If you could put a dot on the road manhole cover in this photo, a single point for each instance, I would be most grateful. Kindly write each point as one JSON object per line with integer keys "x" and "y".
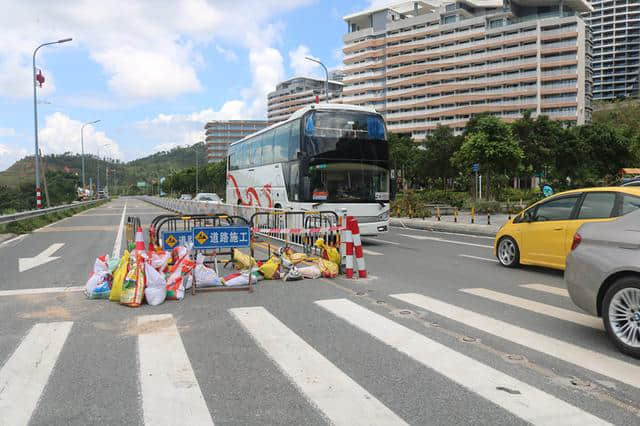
{"x": 405, "y": 312}
{"x": 380, "y": 302}
{"x": 469, "y": 339}
{"x": 360, "y": 293}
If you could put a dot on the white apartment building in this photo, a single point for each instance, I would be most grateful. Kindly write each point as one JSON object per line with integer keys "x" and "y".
{"x": 424, "y": 63}
{"x": 295, "y": 93}
{"x": 615, "y": 30}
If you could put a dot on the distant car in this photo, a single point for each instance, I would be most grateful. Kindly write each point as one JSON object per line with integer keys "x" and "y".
{"x": 632, "y": 182}
{"x": 185, "y": 197}
{"x": 542, "y": 234}
{"x": 603, "y": 277}
{"x": 207, "y": 197}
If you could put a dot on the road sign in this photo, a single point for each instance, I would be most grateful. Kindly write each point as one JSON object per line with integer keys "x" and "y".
{"x": 475, "y": 167}
{"x": 547, "y": 190}
{"x": 170, "y": 239}
{"x": 221, "y": 237}
{"x": 141, "y": 184}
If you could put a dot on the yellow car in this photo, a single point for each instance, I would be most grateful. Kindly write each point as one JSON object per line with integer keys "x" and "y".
{"x": 543, "y": 233}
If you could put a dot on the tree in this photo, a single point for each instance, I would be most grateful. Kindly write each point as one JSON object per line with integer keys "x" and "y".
{"x": 608, "y": 149}
{"x": 492, "y": 145}
{"x": 439, "y": 147}
{"x": 402, "y": 155}
{"x": 537, "y": 138}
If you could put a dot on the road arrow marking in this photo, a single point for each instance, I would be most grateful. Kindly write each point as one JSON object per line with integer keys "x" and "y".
{"x": 26, "y": 263}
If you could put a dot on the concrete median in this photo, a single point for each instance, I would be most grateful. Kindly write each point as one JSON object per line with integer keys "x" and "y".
{"x": 434, "y": 225}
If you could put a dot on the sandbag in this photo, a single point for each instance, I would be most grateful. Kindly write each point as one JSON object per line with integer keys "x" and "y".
{"x": 242, "y": 261}
{"x": 179, "y": 278}
{"x": 311, "y": 272}
{"x": 118, "y": 277}
{"x": 328, "y": 252}
{"x": 160, "y": 260}
{"x": 156, "y": 289}
{"x": 269, "y": 269}
{"x": 327, "y": 267}
{"x": 133, "y": 286}
{"x": 240, "y": 279}
{"x": 97, "y": 285}
{"x": 204, "y": 276}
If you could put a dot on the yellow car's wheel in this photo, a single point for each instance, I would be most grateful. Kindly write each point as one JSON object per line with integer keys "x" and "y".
{"x": 508, "y": 252}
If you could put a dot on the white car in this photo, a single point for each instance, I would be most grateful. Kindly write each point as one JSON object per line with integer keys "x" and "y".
{"x": 185, "y": 197}
{"x": 207, "y": 197}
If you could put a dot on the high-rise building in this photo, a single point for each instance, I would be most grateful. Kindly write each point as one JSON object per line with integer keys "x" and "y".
{"x": 220, "y": 134}
{"x": 424, "y": 63}
{"x": 293, "y": 94}
{"x": 615, "y": 32}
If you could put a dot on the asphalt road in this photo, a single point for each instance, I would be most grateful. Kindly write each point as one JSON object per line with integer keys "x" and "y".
{"x": 439, "y": 334}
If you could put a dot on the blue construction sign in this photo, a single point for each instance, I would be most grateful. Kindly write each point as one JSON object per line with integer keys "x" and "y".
{"x": 475, "y": 167}
{"x": 171, "y": 239}
{"x": 221, "y": 237}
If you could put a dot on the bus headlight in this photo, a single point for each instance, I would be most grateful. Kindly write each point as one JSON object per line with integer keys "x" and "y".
{"x": 383, "y": 216}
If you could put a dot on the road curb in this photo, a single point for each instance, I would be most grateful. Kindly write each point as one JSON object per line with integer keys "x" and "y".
{"x": 432, "y": 225}
{"x": 6, "y": 237}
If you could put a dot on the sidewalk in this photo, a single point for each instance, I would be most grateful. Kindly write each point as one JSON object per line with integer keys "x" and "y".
{"x": 447, "y": 224}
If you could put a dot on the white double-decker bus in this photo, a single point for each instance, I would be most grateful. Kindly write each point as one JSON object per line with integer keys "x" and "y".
{"x": 324, "y": 157}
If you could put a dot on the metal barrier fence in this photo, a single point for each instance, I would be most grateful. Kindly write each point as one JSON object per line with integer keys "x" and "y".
{"x": 166, "y": 230}
{"x": 297, "y": 228}
{"x": 14, "y": 217}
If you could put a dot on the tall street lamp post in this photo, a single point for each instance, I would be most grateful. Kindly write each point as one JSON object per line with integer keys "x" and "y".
{"x": 326, "y": 76}
{"x": 98, "y": 167}
{"x": 35, "y": 120}
{"x": 82, "y": 146}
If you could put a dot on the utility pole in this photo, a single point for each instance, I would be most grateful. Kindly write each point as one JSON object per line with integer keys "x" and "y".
{"x": 82, "y": 146}
{"x": 35, "y": 120}
{"x": 326, "y": 76}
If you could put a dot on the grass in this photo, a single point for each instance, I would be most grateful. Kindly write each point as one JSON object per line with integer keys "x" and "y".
{"x": 28, "y": 225}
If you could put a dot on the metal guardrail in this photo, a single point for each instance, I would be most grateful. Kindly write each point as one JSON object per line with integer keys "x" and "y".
{"x": 14, "y": 217}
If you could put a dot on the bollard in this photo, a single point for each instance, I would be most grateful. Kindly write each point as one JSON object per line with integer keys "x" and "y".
{"x": 488, "y": 218}
{"x": 438, "y": 213}
{"x": 455, "y": 215}
{"x": 473, "y": 214}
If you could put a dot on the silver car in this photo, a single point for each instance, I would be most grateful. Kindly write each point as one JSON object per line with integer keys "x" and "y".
{"x": 603, "y": 277}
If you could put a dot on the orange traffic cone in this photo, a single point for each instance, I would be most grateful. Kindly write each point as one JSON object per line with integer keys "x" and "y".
{"x": 139, "y": 240}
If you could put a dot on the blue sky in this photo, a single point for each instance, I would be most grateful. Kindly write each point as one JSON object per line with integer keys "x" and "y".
{"x": 153, "y": 71}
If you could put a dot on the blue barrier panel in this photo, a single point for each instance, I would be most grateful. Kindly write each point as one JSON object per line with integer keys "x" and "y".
{"x": 171, "y": 239}
{"x": 221, "y": 237}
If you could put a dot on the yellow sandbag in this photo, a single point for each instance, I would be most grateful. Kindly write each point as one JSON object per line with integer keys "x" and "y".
{"x": 328, "y": 268}
{"x": 242, "y": 261}
{"x": 269, "y": 268}
{"x": 118, "y": 277}
{"x": 296, "y": 258}
{"x": 328, "y": 252}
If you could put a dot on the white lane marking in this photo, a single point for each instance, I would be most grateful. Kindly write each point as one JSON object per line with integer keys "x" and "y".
{"x": 170, "y": 391}
{"x": 118, "y": 243}
{"x": 442, "y": 240}
{"x": 597, "y": 362}
{"x": 537, "y": 307}
{"x": 371, "y": 252}
{"x": 376, "y": 240}
{"x": 24, "y": 376}
{"x": 10, "y": 240}
{"x": 336, "y": 395}
{"x": 26, "y": 263}
{"x": 479, "y": 258}
{"x": 27, "y": 291}
{"x": 529, "y": 403}
{"x": 547, "y": 289}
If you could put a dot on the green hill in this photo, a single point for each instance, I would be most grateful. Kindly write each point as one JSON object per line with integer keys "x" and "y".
{"x": 142, "y": 169}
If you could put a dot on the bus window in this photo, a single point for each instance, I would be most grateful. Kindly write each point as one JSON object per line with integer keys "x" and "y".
{"x": 281, "y": 143}
{"x": 294, "y": 140}
{"x": 267, "y": 147}
{"x": 257, "y": 150}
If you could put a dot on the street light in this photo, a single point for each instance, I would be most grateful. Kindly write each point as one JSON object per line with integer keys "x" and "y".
{"x": 82, "y": 144}
{"x": 326, "y": 74}
{"x": 195, "y": 149}
{"x": 35, "y": 120}
{"x": 98, "y": 177}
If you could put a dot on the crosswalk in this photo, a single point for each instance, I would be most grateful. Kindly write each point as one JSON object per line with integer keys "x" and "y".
{"x": 170, "y": 389}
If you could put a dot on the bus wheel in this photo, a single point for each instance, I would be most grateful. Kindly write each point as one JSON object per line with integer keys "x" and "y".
{"x": 277, "y": 206}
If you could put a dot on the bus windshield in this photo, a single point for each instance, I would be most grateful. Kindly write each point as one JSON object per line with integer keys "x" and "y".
{"x": 345, "y": 135}
{"x": 346, "y": 182}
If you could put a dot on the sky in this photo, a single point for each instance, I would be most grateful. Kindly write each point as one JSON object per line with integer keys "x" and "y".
{"x": 153, "y": 71}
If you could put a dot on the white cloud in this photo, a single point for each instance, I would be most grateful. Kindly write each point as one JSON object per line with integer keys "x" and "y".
{"x": 228, "y": 54}
{"x": 304, "y": 67}
{"x": 62, "y": 134}
{"x": 7, "y": 132}
{"x": 147, "y": 48}
{"x": 9, "y": 155}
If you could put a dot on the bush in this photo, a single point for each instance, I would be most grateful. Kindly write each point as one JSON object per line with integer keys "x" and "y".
{"x": 451, "y": 198}
{"x": 28, "y": 225}
{"x": 409, "y": 205}
{"x": 483, "y": 206}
